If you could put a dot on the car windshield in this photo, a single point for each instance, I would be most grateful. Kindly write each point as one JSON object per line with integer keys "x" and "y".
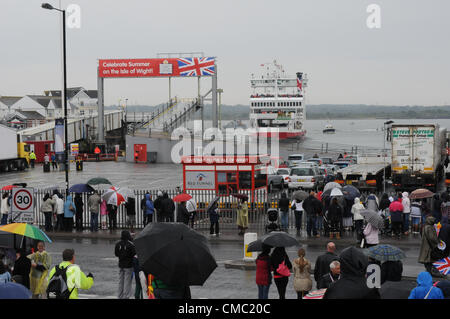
{"x": 295, "y": 158}
{"x": 302, "y": 171}
{"x": 282, "y": 172}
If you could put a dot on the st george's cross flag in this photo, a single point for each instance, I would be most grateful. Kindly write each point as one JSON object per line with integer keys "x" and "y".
{"x": 443, "y": 265}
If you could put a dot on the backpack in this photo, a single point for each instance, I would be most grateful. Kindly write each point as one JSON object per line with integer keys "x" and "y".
{"x": 57, "y": 286}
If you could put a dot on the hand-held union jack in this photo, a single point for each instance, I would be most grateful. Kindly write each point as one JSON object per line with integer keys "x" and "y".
{"x": 196, "y": 66}
{"x": 443, "y": 265}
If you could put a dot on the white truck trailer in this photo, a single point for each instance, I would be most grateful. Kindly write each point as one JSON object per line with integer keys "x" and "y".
{"x": 13, "y": 154}
{"x": 418, "y": 156}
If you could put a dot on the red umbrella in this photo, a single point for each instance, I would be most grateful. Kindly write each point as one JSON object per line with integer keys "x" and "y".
{"x": 9, "y": 187}
{"x": 114, "y": 197}
{"x": 182, "y": 197}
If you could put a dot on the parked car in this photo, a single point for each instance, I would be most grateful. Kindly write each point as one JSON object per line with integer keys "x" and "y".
{"x": 305, "y": 177}
{"x": 315, "y": 160}
{"x": 327, "y": 160}
{"x": 284, "y": 172}
{"x": 273, "y": 179}
{"x": 293, "y": 159}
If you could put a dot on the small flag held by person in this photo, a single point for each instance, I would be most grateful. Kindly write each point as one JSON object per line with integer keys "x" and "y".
{"x": 443, "y": 265}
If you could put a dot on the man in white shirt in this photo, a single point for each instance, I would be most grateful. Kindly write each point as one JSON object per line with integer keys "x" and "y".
{"x": 406, "y": 212}
{"x": 297, "y": 207}
{"x": 58, "y": 211}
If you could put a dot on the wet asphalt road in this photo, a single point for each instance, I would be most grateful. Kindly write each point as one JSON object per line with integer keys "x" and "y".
{"x": 97, "y": 256}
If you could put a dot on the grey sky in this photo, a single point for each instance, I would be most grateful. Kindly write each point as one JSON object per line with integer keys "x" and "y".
{"x": 404, "y": 62}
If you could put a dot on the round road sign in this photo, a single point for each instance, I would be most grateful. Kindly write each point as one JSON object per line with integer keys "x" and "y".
{"x": 23, "y": 199}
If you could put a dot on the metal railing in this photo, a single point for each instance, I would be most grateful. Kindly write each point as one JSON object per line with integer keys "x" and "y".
{"x": 259, "y": 202}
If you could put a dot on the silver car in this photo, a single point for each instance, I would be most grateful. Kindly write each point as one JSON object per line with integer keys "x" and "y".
{"x": 304, "y": 177}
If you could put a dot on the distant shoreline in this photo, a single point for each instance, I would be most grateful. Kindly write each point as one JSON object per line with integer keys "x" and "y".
{"x": 327, "y": 111}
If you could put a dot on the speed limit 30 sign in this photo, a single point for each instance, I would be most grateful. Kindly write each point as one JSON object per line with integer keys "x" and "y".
{"x": 22, "y": 207}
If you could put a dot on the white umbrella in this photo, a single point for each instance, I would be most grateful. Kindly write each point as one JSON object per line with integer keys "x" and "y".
{"x": 127, "y": 192}
{"x": 331, "y": 185}
{"x": 336, "y": 192}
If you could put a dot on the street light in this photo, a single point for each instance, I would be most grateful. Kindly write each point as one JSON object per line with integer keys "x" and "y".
{"x": 66, "y": 148}
{"x": 384, "y": 154}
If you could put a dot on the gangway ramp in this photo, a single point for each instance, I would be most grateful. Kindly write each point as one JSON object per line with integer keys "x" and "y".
{"x": 77, "y": 128}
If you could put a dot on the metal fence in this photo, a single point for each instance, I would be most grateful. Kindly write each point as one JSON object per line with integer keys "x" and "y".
{"x": 259, "y": 202}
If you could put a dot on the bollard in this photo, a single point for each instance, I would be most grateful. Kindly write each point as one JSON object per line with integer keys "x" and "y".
{"x": 248, "y": 238}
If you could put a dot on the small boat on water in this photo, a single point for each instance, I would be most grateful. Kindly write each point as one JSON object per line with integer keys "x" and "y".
{"x": 329, "y": 129}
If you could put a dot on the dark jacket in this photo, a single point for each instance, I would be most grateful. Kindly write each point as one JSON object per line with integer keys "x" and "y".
{"x": 183, "y": 214}
{"x": 397, "y": 289}
{"x": 327, "y": 280}
{"x": 384, "y": 202}
{"x": 322, "y": 265}
{"x": 283, "y": 203}
{"x": 158, "y": 204}
{"x": 167, "y": 206}
{"x": 335, "y": 212}
{"x": 125, "y": 250}
{"x": 79, "y": 205}
{"x": 312, "y": 206}
{"x": 22, "y": 267}
{"x": 391, "y": 271}
{"x": 352, "y": 284}
{"x": 429, "y": 241}
{"x": 131, "y": 206}
{"x": 277, "y": 257}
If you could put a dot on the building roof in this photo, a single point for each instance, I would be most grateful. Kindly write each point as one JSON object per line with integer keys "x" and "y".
{"x": 31, "y": 115}
{"x": 45, "y": 100}
{"x": 10, "y": 100}
{"x": 71, "y": 92}
{"x": 93, "y": 94}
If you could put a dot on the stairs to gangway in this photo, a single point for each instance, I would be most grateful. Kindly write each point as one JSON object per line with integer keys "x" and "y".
{"x": 164, "y": 120}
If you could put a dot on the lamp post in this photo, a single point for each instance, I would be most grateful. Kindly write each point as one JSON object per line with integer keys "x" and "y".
{"x": 66, "y": 148}
{"x": 384, "y": 154}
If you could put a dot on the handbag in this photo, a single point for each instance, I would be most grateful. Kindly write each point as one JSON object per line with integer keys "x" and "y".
{"x": 283, "y": 270}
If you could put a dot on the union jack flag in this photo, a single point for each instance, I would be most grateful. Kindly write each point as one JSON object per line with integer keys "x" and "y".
{"x": 443, "y": 265}
{"x": 196, "y": 66}
{"x": 299, "y": 81}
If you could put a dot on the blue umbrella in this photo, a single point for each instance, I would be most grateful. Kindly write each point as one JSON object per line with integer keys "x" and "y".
{"x": 81, "y": 188}
{"x": 350, "y": 192}
{"x": 12, "y": 290}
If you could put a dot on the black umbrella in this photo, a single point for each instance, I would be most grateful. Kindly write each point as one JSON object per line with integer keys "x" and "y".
{"x": 350, "y": 192}
{"x": 175, "y": 254}
{"x": 214, "y": 201}
{"x": 273, "y": 239}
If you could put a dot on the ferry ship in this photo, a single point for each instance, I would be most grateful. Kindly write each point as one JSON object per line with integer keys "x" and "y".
{"x": 277, "y": 107}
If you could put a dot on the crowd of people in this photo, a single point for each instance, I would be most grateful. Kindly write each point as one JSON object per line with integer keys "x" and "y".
{"x": 335, "y": 216}
{"x": 30, "y": 274}
{"x": 342, "y": 276}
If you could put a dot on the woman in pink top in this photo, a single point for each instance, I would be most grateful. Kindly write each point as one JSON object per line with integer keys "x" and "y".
{"x": 103, "y": 212}
{"x": 371, "y": 235}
